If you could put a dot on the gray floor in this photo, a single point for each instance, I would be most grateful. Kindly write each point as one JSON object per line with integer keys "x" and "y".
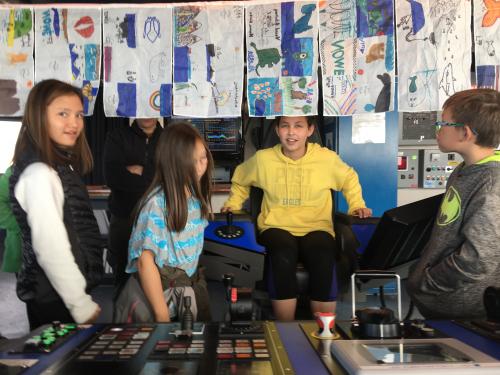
{"x": 14, "y": 322}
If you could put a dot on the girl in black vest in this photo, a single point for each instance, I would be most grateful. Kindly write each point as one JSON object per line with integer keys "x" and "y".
{"x": 62, "y": 253}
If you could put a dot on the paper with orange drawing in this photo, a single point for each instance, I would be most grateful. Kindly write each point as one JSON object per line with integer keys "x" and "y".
{"x": 16, "y": 59}
{"x": 357, "y": 56}
{"x": 487, "y": 43}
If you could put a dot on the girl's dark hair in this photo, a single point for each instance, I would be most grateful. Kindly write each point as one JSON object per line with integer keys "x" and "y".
{"x": 175, "y": 172}
{"x": 310, "y": 120}
{"x": 34, "y": 128}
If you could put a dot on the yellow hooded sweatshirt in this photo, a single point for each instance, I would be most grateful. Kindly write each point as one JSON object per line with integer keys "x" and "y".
{"x": 297, "y": 193}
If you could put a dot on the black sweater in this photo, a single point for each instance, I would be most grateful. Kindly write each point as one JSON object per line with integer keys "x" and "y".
{"x": 128, "y": 145}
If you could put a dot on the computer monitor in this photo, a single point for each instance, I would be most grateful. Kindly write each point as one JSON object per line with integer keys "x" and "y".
{"x": 225, "y": 141}
{"x": 223, "y": 136}
{"x": 401, "y": 234}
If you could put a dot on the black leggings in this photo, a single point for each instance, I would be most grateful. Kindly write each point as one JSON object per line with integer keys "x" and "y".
{"x": 316, "y": 250}
{"x": 120, "y": 229}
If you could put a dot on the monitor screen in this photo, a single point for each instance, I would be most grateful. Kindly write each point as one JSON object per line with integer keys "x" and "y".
{"x": 414, "y": 353}
{"x": 401, "y": 234}
{"x": 221, "y": 134}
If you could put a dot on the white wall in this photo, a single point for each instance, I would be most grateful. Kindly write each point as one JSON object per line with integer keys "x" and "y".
{"x": 406, "y": 196}
{"x": 218, "y": 200}
{"x": 8, "y": 137}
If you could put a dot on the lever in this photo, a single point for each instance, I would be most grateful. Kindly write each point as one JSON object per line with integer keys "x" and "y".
{"x": 227, "y": 280}
{"x": 230, "y": 227}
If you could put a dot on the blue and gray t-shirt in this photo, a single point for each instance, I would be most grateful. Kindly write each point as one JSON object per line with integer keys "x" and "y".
{"x": 175, "y": 249}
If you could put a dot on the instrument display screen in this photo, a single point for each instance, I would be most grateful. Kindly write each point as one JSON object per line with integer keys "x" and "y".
{"x": 415, "y": 353}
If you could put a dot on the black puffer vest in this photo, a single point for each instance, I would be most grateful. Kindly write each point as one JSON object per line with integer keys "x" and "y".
{"x": 81, "y": 226}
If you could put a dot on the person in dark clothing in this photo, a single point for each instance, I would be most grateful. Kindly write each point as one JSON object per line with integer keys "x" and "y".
{"x": 129, "y": 169}
{"x": 61, "y": 243}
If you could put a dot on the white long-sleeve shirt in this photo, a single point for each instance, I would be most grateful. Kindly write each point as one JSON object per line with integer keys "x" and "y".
{"x": 40, "y": 193}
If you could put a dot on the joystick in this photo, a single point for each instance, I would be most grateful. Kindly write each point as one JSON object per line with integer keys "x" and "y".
{"x": 242, "y": 311}
{"x": 229, "y": 231}
{"x": 187, "y": 316}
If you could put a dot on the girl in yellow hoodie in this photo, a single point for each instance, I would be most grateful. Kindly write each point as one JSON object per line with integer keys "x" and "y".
{"x": 295, "y": 222}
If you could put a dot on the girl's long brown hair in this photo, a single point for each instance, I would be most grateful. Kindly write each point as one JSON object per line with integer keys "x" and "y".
{"x": 175, "y": 172}
{"x": 34, "y": 128}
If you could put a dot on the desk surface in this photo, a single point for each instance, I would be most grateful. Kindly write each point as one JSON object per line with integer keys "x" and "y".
{"x": 303, "y": 357}
{"x": 102, "y": 191}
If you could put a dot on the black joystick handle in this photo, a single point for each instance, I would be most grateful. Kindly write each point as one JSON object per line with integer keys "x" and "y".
{"x": 229, "y": 231}
{"x": 187, "y": 317}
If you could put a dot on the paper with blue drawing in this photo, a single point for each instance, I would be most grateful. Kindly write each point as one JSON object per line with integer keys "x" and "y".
{"x": 208, "y": 60}
{"x": 357, "y": 56}
{"x": 16, "y": 59}
{"x": 68, "y": 48}
{"x": 137, "y": 62}
{"x": 282, "y": 58}
{"x": 434, "y": 49}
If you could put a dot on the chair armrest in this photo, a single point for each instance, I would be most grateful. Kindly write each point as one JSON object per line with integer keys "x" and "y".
{"x": 352, "y": 220}
{"x": 343, "y": 218}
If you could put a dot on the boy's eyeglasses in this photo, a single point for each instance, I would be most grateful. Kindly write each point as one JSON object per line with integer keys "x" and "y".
{"x": 440, "y": 124}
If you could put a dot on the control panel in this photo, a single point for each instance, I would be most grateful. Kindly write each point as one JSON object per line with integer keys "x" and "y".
{"x": 408, "y": 170}
{"x": 436, "y": 167}
{"x": 208, "y": 348}
{"x": 46, "y": 339}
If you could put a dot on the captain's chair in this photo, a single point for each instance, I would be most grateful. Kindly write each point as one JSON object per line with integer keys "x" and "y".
{"x": 347, "y": 257}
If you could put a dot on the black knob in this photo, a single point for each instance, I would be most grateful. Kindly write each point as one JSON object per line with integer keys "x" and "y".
{"x": 229, "y": 231}
{"x": 187, "y": 316}
{"x": 227, "y": 280}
